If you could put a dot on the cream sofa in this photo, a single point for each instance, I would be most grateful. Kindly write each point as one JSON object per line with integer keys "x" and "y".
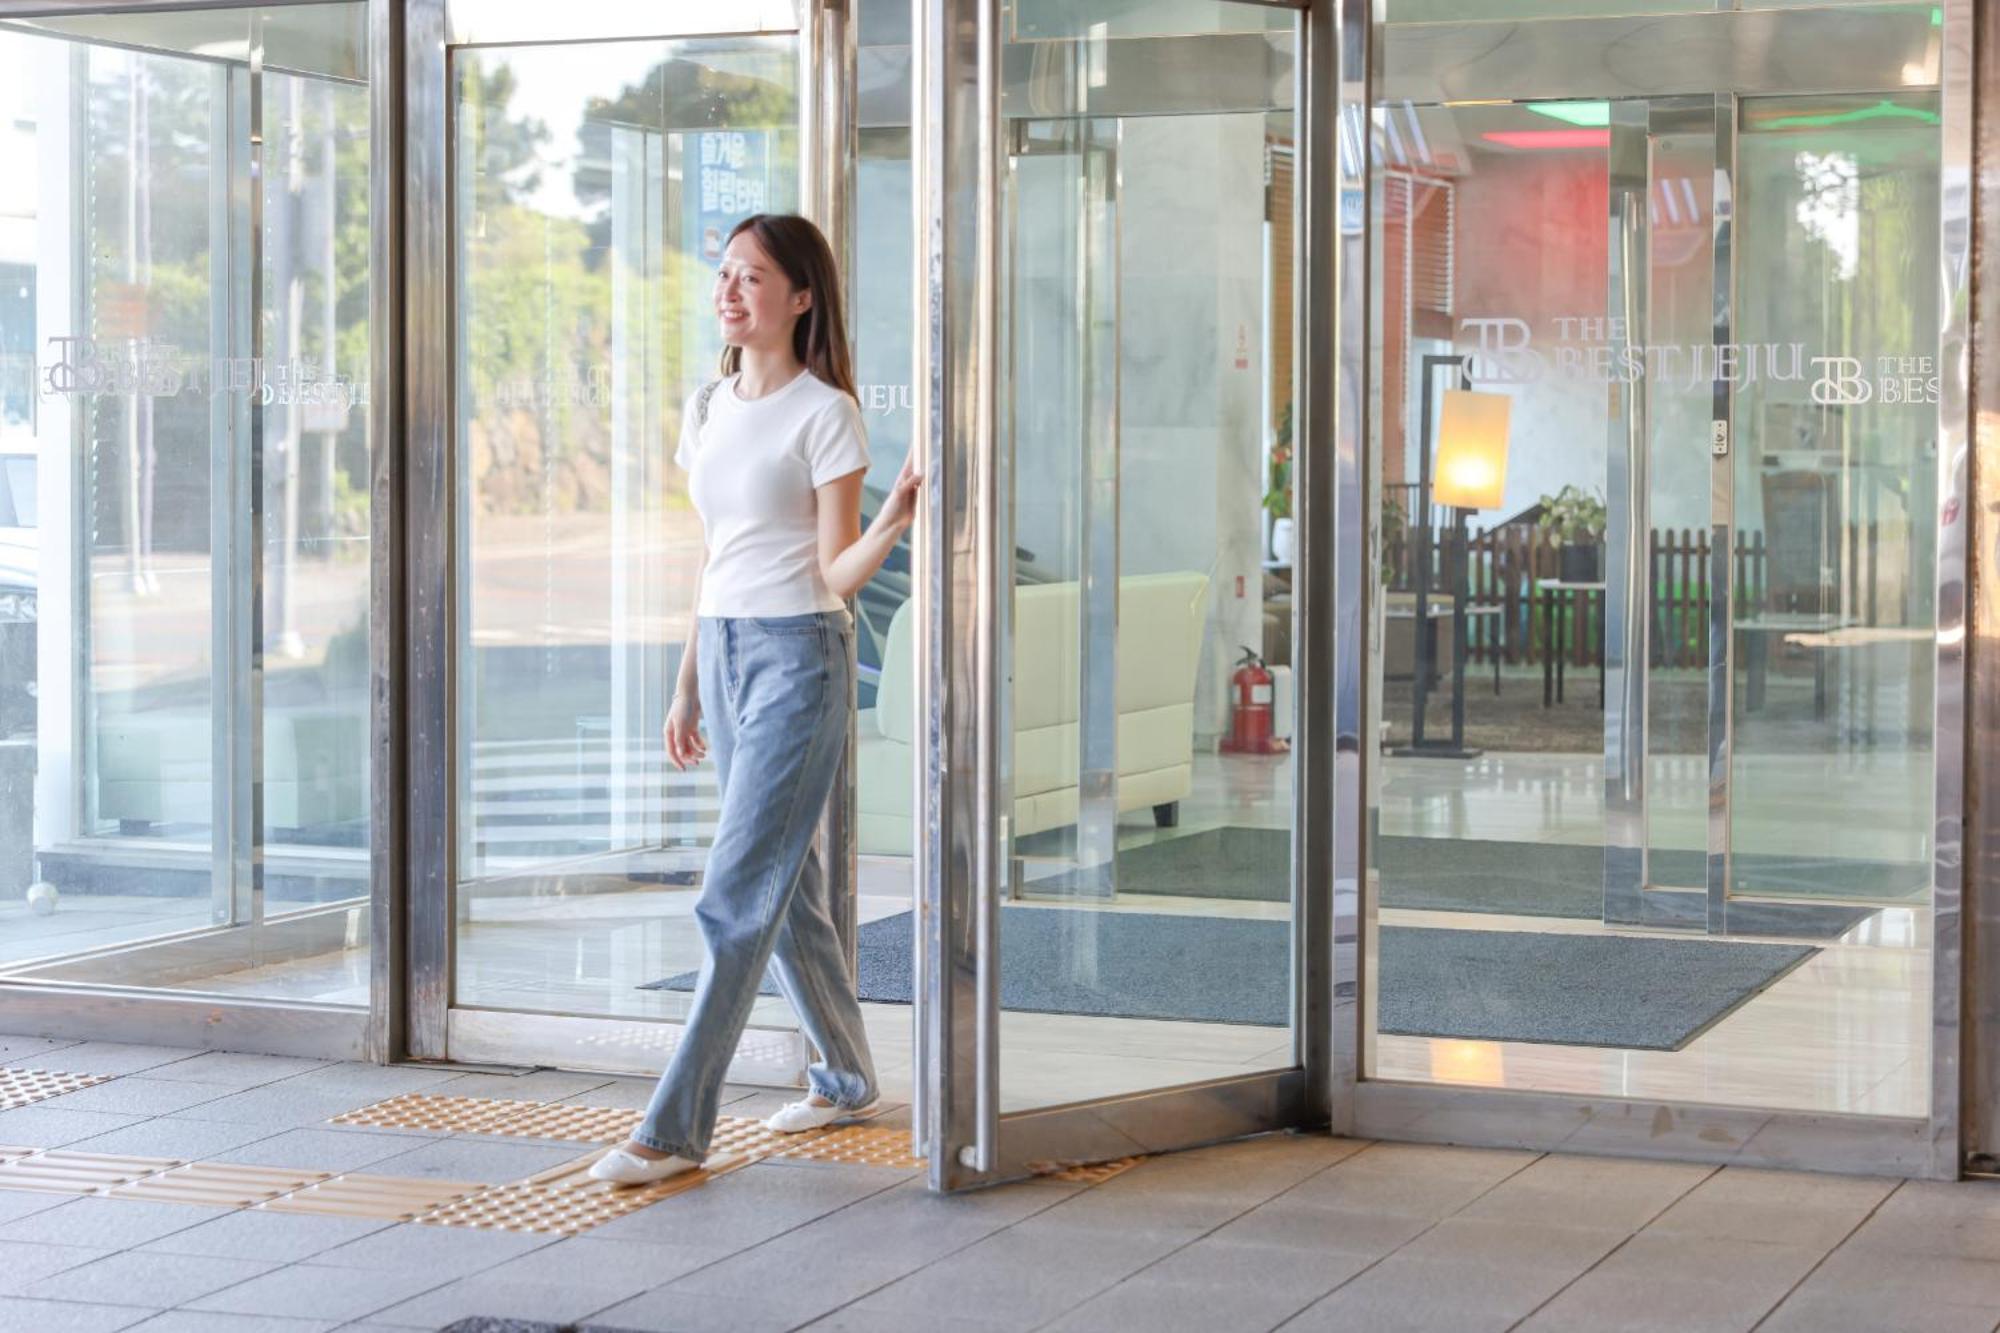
{"x": 1160, "y": 620}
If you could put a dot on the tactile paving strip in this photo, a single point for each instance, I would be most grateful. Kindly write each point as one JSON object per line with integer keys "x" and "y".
{"x": 562, "y": 1120}
{"x": 57, "y": 1172}
{"x": 1093, "y": 1173}
{"x": 486, "y": 1115}
{"x": 458, "y": 1115}
{"x": 552, "y": 1120}
{"x": 734, "y": 1134}
{"x": 395, "y": 1198}
{"x": 219, "y": 1183}
{"x": 24, "y": 1087}
{"x": 859, "y": 1145}
{"x": 565, "y": 1200}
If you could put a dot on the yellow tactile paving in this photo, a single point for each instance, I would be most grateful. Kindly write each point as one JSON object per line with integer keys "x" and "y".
{"x": 460, "y": 1115}
{"x": 565, "y": 1200}
{"x": 562, "y": 1201}
{"x": 734, "y": 1134}
{"x": 859, "y": 1145}
{"x": 24, "y": 1087}
{"x": 56, "y": 1172}
{"x": 396, "y": 1198}
{"x": 561, "y": 1120}
{"x": 219, "y": 1183}
{"x": 573, "y": 1122}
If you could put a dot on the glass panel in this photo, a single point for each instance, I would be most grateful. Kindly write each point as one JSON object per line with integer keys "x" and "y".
{"x": 596, "y": 183}
{"x": 316, "y": 495}
{"x": 1495, "y": 966}
{"x": 135, "y": 403}
{"x": 1460, "y": 11}
{"x": 1836, "y": 492}
{"x": 879, "y": 292}
{"x": 1518, "y": 832}
{"x": 1043, "y": 20}
{"x": 880, "y": 301}
{"x": 1146, "y": 936}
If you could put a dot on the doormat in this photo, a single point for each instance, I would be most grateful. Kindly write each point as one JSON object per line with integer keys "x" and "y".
{"x": 1508, "y": 878}
{"x": 1629, "y": 992}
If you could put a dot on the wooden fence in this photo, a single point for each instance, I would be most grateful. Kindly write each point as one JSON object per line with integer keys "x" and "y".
{"x": 1506, "y": 563}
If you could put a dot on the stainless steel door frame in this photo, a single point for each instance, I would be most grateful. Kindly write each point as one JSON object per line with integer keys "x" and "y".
{"x": 964, "y": 582}
{"x": 1626, "y": 524}
{"x": 429, "y": 1024}
{"x": 1722, "y": 530}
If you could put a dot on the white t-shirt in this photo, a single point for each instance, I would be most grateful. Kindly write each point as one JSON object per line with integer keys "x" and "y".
{"x": 752, "y": 471}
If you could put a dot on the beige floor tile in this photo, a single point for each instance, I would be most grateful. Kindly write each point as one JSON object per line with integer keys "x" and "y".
{"x": 1597, "y": 1192}
{"x": 1782, "y": 1207}
{"x": 1678, "y": 1284}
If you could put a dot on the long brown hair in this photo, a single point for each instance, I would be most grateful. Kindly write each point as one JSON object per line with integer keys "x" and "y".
{"x": 800, "y": 251}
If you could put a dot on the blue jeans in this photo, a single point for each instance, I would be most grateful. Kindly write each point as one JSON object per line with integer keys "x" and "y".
{"x": 774, "y": 695}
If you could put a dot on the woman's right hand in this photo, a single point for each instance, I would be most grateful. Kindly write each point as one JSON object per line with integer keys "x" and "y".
{"x": 685, "y": 745}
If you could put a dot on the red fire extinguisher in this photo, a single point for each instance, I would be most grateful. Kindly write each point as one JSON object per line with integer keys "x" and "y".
{"x": 1250, "y": 687}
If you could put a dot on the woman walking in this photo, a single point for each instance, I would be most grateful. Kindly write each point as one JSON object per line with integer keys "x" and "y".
{"x": 775, "y": 453}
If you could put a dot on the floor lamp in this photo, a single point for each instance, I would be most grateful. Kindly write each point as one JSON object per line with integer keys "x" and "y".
{"x": 1470, "y": 473}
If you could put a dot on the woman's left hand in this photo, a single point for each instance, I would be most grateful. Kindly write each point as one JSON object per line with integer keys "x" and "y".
{"x": 899, "y": 510}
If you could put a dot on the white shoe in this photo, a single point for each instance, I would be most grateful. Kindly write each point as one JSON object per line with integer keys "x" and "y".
{"x": 620, "y": 1167}
{"x": 798, "y": 1117}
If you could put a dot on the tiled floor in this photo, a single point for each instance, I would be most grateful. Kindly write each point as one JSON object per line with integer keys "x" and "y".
{"x": 1299, "y": 1232}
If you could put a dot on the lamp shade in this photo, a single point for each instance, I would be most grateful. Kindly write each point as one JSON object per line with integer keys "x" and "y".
{"x": 1471, "y": 471}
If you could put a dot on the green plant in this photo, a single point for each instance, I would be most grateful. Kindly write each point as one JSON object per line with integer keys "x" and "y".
{"x": 1395, "y": 524}
{"x": 1573, "y": 515}
{"x": 1278, "y": 469}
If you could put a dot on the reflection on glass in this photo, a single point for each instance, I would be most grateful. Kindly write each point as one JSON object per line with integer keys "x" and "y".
{"x": 596, "y": 185}
{"x": 134, "y": 394}
{"x": 1836, "y": 497}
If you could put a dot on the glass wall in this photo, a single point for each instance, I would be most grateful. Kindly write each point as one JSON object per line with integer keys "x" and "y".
{"x": 1676, "y": 843}
{"x": 1833, "y": 682}
{"x": 184, "y": 462}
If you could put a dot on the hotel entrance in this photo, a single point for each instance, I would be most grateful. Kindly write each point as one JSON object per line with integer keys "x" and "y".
{"x": 1438, "y": 609}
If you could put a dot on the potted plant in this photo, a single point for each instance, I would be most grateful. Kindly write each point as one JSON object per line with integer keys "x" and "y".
{"x": 1278, "y": 489}
{"x": 1576, "y": 519}
{"x": 1395, "y": 532}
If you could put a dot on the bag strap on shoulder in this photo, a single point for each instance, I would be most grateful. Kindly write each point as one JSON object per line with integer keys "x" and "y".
{"x": 701, "y": 402}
